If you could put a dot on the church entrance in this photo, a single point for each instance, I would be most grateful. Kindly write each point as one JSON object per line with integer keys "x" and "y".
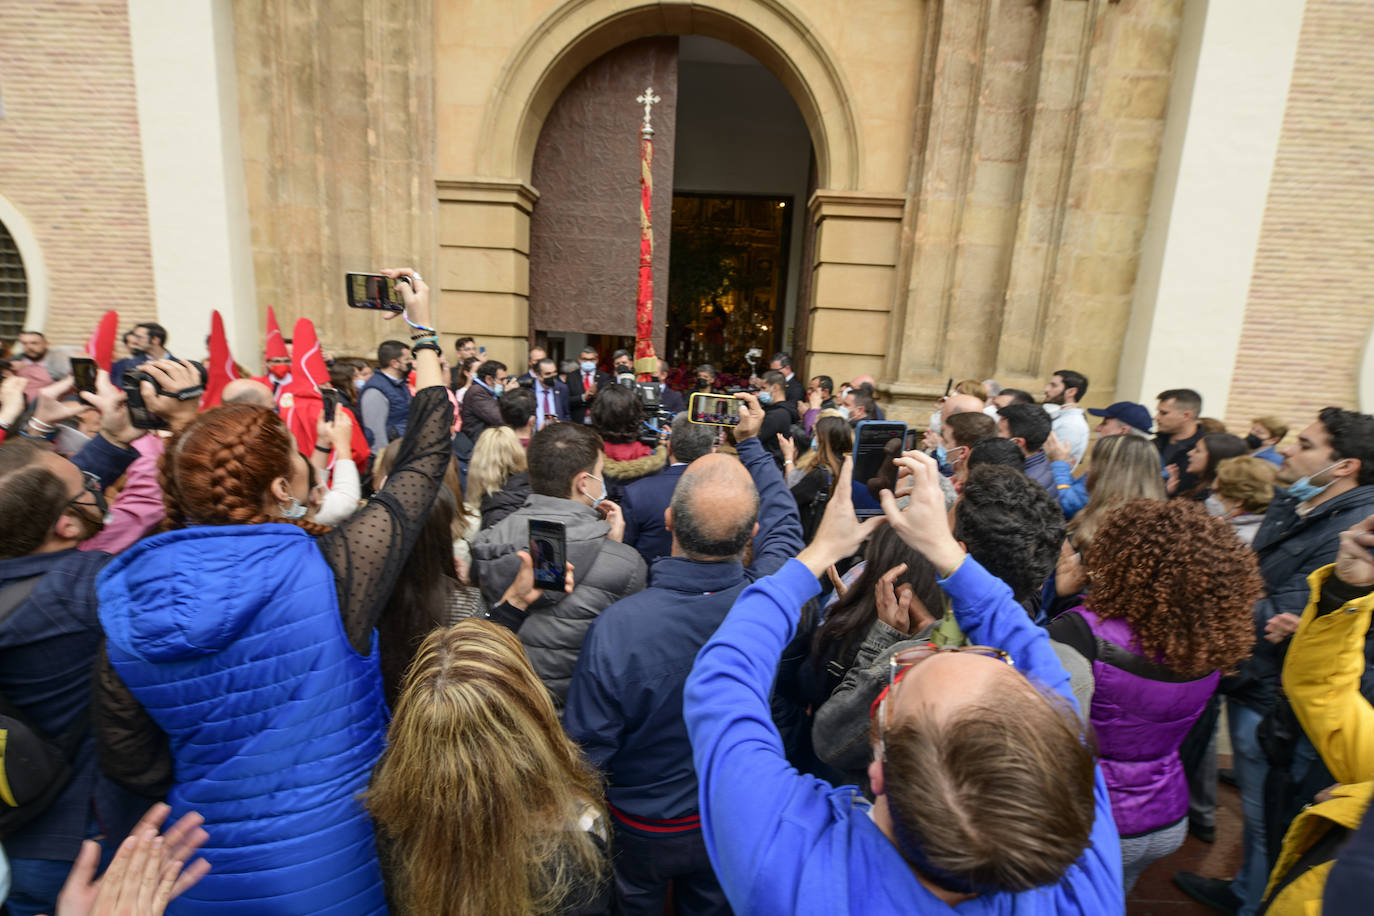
{"x": 733, "y": 170}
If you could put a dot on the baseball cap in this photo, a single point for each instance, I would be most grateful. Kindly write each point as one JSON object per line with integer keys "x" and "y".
{"x": 1128, "y": 412}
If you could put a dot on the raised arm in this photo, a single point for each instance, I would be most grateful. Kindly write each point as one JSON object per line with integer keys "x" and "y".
{"x": 367, "y": 551}
{"x": 780, "y": 530}
{"x": 982, "y": 603}
{"x": 751, "y": 798}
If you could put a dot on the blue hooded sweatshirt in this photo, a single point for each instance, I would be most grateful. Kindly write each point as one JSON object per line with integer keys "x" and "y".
{"x": 784, "y": 842}
{"x": 231, "y": 639}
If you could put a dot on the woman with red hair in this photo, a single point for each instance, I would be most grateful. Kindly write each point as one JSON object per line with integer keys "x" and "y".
{"x": 243, "y": 675}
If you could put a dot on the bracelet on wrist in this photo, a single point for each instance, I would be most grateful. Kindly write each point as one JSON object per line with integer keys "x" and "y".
{"x": 40, "y": 426}
{"x": 46, "y": 437}
{"x": 430, "y": 344}
{"x": 417, "y": 337}
{"x": 323, "y": 448}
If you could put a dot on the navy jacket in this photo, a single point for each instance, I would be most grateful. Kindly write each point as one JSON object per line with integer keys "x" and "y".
{"x": 625, "y": 703}
{"x": 671, "y": 400}
{"x": 577, "y": 402}
{"x": 1290, "y": 548}
{"x": 47, "y": 652}
{"x": 1037, "y": 468}
{"x": 643, "y": 505}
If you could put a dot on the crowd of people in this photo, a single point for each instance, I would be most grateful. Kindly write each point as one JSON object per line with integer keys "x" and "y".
{"x": 297, "y": 617}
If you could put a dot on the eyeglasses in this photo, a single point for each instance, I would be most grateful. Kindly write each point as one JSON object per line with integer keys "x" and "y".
{"x": 90, "y": 483}
{"x": 899, "y": 663}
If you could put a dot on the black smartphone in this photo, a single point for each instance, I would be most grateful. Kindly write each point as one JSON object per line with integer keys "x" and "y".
{"x": 83, "y": 371}
{"x": 549, "y": 551}
{"x": 949, "y": 386}
{"x": 373, "y": 291}
{"x": 139, "y": 414}
{"x": 876, "y": 444}
{"x": 330, "y": 395}
{"x": 911, "y": 440}
{"x": 713, "y": 409}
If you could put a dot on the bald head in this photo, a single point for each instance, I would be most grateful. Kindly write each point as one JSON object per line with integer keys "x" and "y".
{"x": 247, "y": 391}
{"x": 861, "y": 380}
{"x": 714, "y": 511}
{"x": 960, "y": 403}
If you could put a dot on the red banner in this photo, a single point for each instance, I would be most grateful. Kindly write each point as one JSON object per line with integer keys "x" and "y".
{"x": 646, "y": 362}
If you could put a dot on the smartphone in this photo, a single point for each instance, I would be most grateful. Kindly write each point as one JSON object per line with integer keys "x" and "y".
{"x": 949, "y": 386}
{"x": 373, "y": 291}
{"x": 330, "y": 395}
{"x": 876, "y": 444}
{"x": 912, "y": 440}
{"x": 549, "y": 551}
{"x": 83, "y": 371}
{"x": 713, "y": 409}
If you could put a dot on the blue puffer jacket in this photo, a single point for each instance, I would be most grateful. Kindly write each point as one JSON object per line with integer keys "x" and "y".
{"x": 231, "y": 639}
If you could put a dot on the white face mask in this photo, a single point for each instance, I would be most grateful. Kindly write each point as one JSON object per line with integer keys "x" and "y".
{"x": 597, "y": 500}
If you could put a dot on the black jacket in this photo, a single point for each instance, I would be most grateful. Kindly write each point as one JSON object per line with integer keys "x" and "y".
{"x": 1175, "y": 451}
{"x": 777, "y": 418}
{"x": 496, "y": 506}
{"x": 1290, "y": 547}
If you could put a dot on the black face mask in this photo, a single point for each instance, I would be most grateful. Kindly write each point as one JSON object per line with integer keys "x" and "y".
{"x": 548, "y": 382}
{"x": 1253, "y": 441}
{"x": 702, "y": 384}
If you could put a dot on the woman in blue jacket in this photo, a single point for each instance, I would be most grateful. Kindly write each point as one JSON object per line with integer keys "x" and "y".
{"x": 242, "y": 658}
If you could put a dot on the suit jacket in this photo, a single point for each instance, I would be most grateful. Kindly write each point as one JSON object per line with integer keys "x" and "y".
{"x": 672, "y": 400}
{"x": 794, "y": 389}
{"x": 479, "y": 411}
{"x": 560, "y": 398}
{"x": 643, "y": 505}
{"x": 578, "y": 405}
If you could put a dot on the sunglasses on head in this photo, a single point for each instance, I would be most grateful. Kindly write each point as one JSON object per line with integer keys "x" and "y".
{"x": 899, "y": 663}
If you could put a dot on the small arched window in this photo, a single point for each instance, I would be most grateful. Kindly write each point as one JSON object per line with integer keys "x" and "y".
{"x": 14, "y": 287}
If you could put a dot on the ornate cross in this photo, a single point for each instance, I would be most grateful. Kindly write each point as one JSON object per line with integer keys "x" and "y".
{"x": 648, "y": 100}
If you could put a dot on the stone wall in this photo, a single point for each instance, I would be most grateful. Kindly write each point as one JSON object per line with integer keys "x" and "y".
{"x": 1308, "y": 314}
{"x": 71, "y": 162}
{"x": 336, "y": 114}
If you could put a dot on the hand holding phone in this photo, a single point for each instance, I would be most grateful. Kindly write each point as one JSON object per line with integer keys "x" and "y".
{"x": 877, "y": 443}
{"x": 330, "y": 395}
{"x": 84, "y": 371}
{"x": 374, "y": 291}
{"x": 713, "y": 409}
{"x": 548, "y": 552}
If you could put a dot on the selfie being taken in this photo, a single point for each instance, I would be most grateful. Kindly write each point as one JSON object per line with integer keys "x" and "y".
{"x": 605, "y": 458}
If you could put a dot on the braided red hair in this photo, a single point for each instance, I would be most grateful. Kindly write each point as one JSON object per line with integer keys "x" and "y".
{"x": 219, "y": 469}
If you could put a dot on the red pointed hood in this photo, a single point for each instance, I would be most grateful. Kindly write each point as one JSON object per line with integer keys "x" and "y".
{"x": 276, "y": 344}
{"x": 308, "y": 371}
{"x": 219, "y": 371}
{"x": 100, "y": 346}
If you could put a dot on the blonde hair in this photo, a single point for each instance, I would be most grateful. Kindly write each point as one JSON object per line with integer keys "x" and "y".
{"x": 1277, "y": 426}
{"x": 480, "y": 792}
{"x": 972, "y": 386}
{"x": 496, "y": 456}
{"x": 1122, "y": 468}
{"x": 1247, "y": 480}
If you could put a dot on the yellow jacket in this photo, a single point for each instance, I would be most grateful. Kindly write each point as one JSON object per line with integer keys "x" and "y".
{"x": 1321, "y": 677}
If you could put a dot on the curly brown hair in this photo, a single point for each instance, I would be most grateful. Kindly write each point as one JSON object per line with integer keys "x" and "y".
{"x": 218, "y": 469}
{"x": 1180, "y": 578}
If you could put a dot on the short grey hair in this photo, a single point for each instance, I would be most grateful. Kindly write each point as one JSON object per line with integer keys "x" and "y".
{"x": 689, "y": 440}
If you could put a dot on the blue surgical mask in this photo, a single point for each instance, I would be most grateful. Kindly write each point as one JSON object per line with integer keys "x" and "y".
{"x": 296, "y": 509}
{"x": 359, "y": 383}
{"x": 587, "y": 366}
{"x": 765, "y": 397}
{"x": 597, "y": 500}
{"x": 844, "y": 412}
{"x": 1304, "y": 489}
{"x": 815, "y": 445}
{"x": 497, "y": 390}
{"x": 941, "y": 455}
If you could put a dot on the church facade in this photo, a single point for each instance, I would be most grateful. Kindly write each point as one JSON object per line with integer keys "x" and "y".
{"x": 1156, "y": 193}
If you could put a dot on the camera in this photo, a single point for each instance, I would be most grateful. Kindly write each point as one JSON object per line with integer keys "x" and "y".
{"x": 133, "y": 377}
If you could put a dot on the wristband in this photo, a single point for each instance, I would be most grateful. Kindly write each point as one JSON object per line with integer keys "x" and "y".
{"x": 416, "y": 338}
{"x": 428, "y": 344}
{"x": 40, "y": 426}
{"x": 323, "y": 448}
{"x": 418, "y": 327}
{"x": 46, "y": 437}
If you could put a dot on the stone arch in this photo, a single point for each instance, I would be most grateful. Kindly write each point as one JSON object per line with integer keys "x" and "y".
{"x": 35, "y": 269}
{"x": 576, "y": 33}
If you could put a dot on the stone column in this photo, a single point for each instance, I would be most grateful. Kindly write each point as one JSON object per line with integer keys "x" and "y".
{"x": 484, "y": 264}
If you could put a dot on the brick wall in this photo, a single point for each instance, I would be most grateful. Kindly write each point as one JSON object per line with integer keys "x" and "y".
{"x": 71, "y": 161}
{"x": 1309, "y": 310}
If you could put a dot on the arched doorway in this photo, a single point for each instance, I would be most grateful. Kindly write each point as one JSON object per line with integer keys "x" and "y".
{"x": 732, "y": 172}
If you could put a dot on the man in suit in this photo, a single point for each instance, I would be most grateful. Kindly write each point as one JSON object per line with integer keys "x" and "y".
{"x": 584, "y": 384}
{"x": 550, "y": 395}
{"x": 792, "y": 387}
{"x": 671, "y": 399}
{"x": 646, "y": 498}
{"x": 480, "y": 409}
{"x": 528, "y": 377}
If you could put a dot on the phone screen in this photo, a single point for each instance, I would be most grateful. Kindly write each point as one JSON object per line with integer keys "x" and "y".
{"x": 714, "y": 409}
{"x": 911, "y": 440}
{"x": 139, "y": 415}
{"x": 83, "y": 372}
{"x": 549, "y": 551}
{"x": 876, "y": 443}
{"x": 374, "y": 291}
{"x": 331, "y": 402}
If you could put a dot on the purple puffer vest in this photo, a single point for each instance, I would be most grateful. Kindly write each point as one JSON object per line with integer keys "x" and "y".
{"x": 1140, "y": 722}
